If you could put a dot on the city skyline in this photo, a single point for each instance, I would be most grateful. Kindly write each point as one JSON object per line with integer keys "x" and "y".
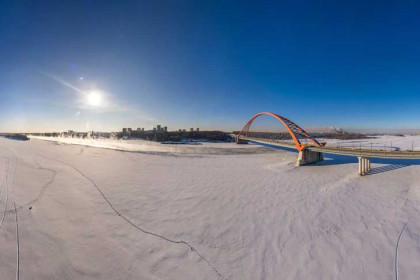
{"x": 211, "y": 64}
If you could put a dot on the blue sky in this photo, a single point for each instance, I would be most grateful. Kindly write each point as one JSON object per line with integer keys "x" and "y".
{"x": 208, "y": 64}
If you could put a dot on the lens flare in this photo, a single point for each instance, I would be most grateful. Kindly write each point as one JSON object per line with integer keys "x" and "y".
{"x": 94, "y": 99}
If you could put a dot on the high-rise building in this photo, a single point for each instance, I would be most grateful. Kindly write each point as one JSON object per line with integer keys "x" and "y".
{"x": 191, "y": 129}
{"x": 158, "y": 127}
{"x": 198, "y": 129}
{"x": 165, "y": 128}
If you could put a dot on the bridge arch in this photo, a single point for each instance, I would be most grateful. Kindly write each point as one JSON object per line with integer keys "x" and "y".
{"x": 294, "y": 130}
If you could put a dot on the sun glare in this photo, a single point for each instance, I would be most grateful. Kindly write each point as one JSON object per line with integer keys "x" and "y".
{"x": 94, "y": 99}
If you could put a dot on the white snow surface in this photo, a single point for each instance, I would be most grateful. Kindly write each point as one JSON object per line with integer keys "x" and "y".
{"x": 213, "y": 211}
{"x": 158, "y": 148}
{"x": 407, "y": 142}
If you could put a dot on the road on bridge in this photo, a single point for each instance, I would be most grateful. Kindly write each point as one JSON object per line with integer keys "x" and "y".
{"x": 312, "y": 154}
{"x": 372, "y": 153}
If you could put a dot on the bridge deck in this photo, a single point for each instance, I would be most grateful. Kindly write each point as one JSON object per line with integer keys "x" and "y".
{"x": 344, "y": 151}
{"x": 271, "y": 142}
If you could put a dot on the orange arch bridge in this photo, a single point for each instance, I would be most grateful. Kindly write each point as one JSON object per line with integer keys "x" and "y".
{"x": 295, "y": 131}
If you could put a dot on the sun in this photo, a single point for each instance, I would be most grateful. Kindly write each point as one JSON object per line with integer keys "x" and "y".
{"x": 94, "y": 99}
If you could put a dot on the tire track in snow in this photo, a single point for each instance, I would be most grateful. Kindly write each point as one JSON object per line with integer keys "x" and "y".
{"x": 396, "y": 252}
{"x": 6, "y": 167}
{"x": 180, "y": 242}
{"x": 41, "y": 192}
{"x": 17, "y": 244}
{"x": 5, "y": 189}
{"x": 44, "y": 188}
{"x": 16, "y": 218}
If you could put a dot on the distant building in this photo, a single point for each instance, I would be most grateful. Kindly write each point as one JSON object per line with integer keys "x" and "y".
{"x": 184, "y": 130}
{"x": 180, "y": 130}
{"x": 154, "y": 129}
{"x": 198, "y": 129}
{"x": 191, "y": 129}
{"x": 138, "y": 129}
{"x": 165, "y": 129}
{"x": 158, "y": 127}
{"x": 124, "y": 131}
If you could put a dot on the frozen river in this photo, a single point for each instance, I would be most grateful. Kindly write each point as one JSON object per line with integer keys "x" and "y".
{"x": 211, "y": 211}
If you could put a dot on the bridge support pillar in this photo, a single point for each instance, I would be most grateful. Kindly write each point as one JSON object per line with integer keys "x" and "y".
{"x": 364, "y": 165}
{"x": 241, "y": 141}
{"x": 308, "y": 157}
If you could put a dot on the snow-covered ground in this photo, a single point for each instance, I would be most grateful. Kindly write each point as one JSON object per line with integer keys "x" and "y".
{"x": 379, "y": 142}
{"x": 212, "y": 211}
{"x": 157, "y": 148}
